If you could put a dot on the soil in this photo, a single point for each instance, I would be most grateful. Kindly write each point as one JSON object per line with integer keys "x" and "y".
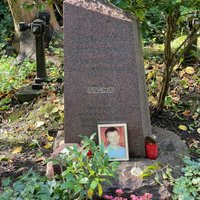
{"x": 169, "y": 121}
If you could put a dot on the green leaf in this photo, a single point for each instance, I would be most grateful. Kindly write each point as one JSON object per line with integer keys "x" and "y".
{"x": 39, "y": 154}
{"x": 84, "y": 180}
{"x": 157, "y": 179}
{"x": 152, "y": 167}
{"x": 18, "y": 186}
{"x": 164, "y": 175}
{"x": 55, "y": 110}
{"x": 28, "y": 6}
{"x": 124, "y": 5}
{"x": 77, "y": 188}
{"x": 93, "y": 136}
{"x": 4, "y": 158}
{"x": 94, "y": 184}
{"x": 67, "y": 185}
{"x": 6, "y": 182}
{"x": 145, "y": 175}
{"x": 41, "y": 6}
{"x": 100, "y": 190}
{"x": 140, "y": 14}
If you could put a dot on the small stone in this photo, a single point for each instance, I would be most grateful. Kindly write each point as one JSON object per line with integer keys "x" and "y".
{"x": 136, "y": 171}
{"x": 164, "y": 193}
{"x": 50, "y": 170}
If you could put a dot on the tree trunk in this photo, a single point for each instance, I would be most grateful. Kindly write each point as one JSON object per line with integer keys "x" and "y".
{"x": 168, "y": 63}
{"x": 26, "y": 38}
{"x": 164, "y": 89}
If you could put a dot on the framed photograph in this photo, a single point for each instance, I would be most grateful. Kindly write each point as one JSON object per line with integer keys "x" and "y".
{"x": 114, "y": 138}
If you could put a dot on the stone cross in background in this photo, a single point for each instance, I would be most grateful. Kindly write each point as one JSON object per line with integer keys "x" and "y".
{"x": 104, "y": 72}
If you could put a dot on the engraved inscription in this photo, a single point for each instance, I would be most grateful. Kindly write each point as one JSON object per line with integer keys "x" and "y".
{"x": 94, "y": 90}
{"x": 103, "y": 53}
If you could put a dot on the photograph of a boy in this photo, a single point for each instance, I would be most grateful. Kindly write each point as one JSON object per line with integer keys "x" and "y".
{"x": 114, "y": 148}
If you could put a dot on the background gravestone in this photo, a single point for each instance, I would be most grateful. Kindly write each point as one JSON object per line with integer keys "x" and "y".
{"x": 104, "y": 73}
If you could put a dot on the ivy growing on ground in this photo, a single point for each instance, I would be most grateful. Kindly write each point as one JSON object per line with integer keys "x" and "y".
{"x": 188, "y": 186}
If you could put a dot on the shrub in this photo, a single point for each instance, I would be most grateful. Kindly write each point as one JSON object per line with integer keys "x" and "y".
{"x": 81, "y": 179}
{"x": 84, "y": 175}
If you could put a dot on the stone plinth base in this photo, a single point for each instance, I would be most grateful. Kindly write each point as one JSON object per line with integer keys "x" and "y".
{"x": 26, "y": 94}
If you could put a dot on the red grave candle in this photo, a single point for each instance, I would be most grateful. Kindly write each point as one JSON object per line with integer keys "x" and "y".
{"x": 151, "y": 150}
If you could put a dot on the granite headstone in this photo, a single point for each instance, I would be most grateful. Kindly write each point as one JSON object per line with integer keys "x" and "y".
{"x": 104, "y": 72}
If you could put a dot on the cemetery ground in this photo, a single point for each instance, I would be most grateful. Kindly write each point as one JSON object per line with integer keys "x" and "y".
{"x": 27, "y": 129}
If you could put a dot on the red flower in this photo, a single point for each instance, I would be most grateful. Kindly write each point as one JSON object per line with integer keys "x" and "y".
{"x": 89, "y": 153}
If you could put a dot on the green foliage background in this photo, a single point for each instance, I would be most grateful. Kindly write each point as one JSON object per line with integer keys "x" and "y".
{"x": 6, "y": 27}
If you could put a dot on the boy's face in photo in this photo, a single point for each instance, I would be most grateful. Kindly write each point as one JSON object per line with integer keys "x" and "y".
{"x": 113, "y": 138}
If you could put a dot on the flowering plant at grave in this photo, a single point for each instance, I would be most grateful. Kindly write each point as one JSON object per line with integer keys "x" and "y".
{"x": 146, "y": 196}
{"x": 120, "y": 192}
{"x": 84, "y": 170}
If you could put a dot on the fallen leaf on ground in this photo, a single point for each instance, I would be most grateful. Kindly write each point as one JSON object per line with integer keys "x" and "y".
{"x": 150, "y": 75}
{"x": 173, "y": 93}
{"x": 17, "y": 150}
{"x": 153, "y": 100}
{"x": 39, "y": 124}
{"x": 40, "y": 159}
{"x": 181, "y": 73}
{"x": 46, "y": 115}
{"x": 50, "y": 138}
{"x": 193, "y": 143}
{"x": 187, "y": 113}
{"x": 175, "y": 99}
{"x": 182, "y": 127}
{"x": 175, "y": 67}
{"x": 189, "y": 70}
{"x": 55, "y": 110}
{"x": 4, "y": 158}
{"x": 61, "y": 107}
{"x": 48, "y": 145}
{"x": 195, "y": 116}
{"x": 30, "y": 127}
{"x": 159, "y": 79}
